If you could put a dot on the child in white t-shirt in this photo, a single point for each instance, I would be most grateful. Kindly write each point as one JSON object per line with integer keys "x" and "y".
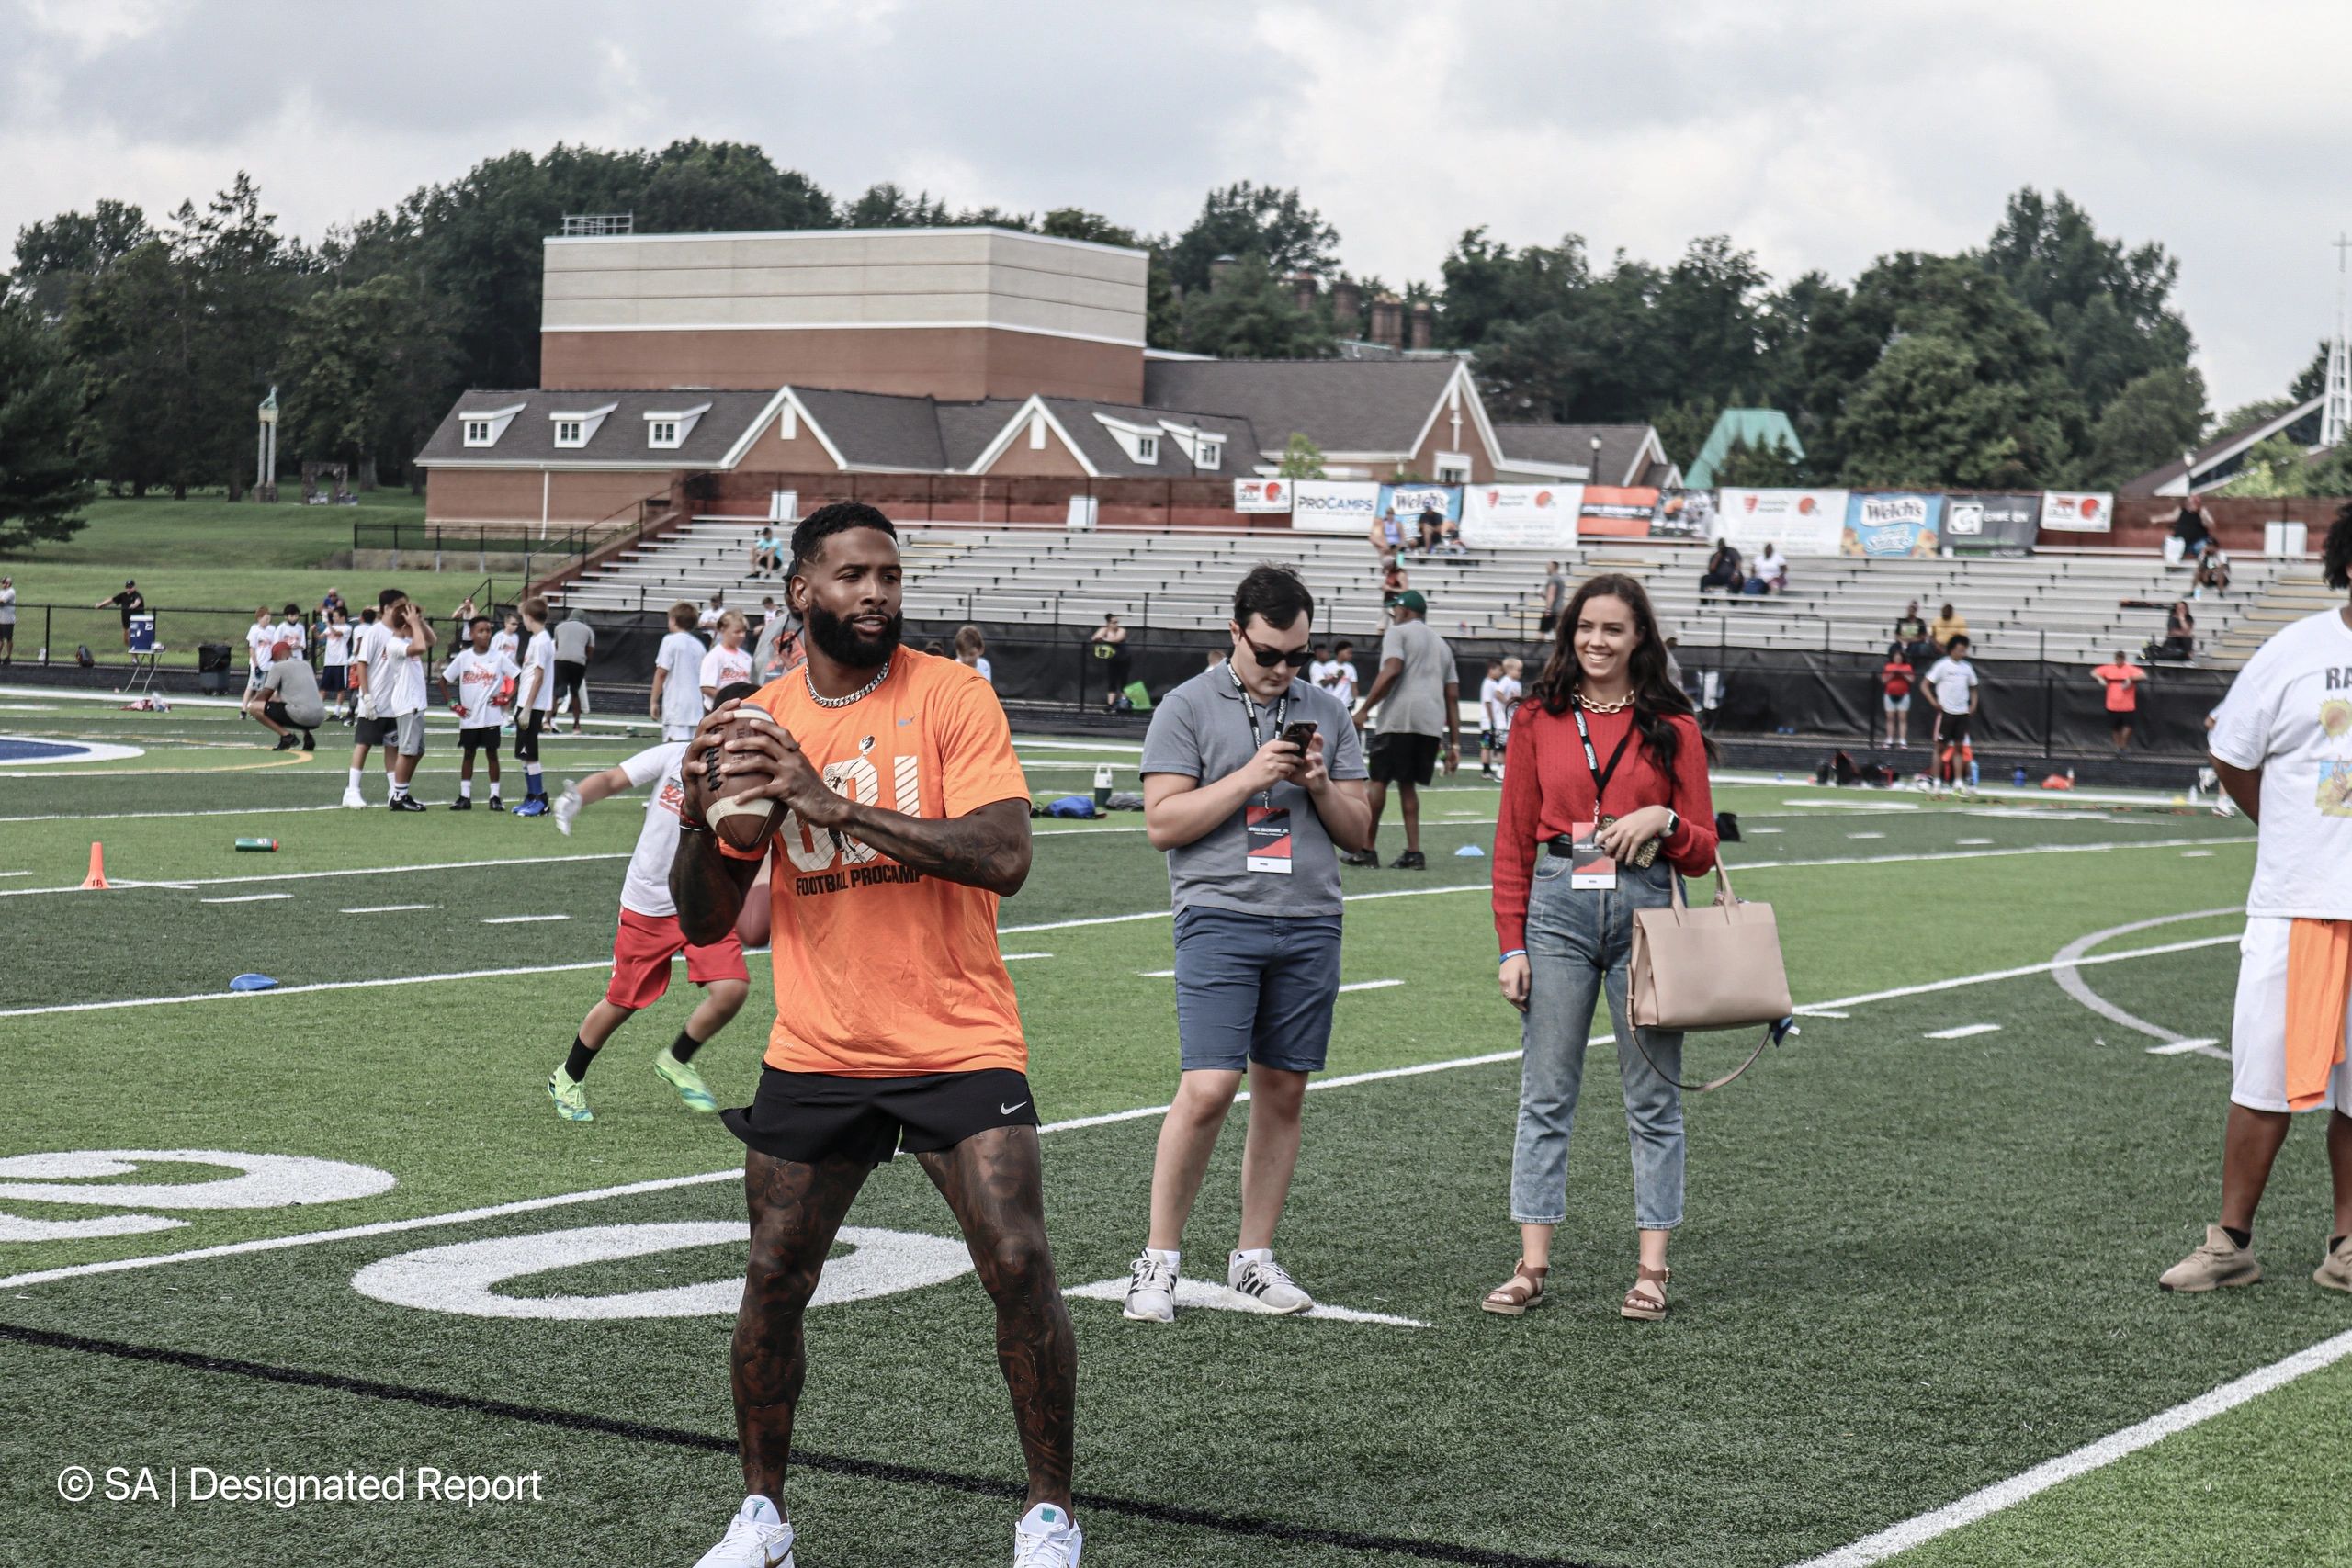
{"x": 677, "y": 704}
{"x": 484, "y": 684}
{"x": 729, "y": 661}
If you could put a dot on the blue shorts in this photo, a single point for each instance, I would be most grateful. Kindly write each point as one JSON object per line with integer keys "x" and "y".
{"x": 1254, "y": 988}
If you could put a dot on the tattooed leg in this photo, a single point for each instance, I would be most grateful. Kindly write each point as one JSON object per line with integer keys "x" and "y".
{"x": 796, "y": 1212}
{"x": 993, "y": 1181}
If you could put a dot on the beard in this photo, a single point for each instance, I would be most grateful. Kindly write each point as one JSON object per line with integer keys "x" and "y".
{"x": 842, "y": 643}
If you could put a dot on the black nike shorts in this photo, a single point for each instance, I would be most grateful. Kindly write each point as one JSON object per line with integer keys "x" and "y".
{"x": 809, "y": 1117}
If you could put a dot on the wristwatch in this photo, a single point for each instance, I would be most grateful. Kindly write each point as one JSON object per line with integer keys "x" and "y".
{"x": 1673, "y": 824}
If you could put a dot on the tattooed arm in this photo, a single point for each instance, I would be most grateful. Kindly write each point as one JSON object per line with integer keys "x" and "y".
{"x": 987, "y": 848}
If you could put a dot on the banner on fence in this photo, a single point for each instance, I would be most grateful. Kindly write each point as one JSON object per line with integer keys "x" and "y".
{"x": 1528, "y": 516}
{"x": 1406, "y": 503}
{"x": 1891, "y": 523}
{"x": 2077, "y": 511}
{"x": 1261, "y": 495}
{"x": 1616, "y": 512}
{"x": 1801, "y": 522}
{"x": 1991, "y": 525}
{"x": 1684, "y": 515}
{"x": 1334, "y": 506}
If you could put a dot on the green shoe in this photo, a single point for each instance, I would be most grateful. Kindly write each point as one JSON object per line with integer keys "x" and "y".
{"x": 682, "y": 1077}
{"x": 571, "y": 1098}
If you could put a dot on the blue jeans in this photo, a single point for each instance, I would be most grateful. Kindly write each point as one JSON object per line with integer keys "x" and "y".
{"x": 1579, "y": 942}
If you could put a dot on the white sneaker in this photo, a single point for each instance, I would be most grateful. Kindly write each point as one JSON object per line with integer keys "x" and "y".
{"x": 758, "y": 1537}
{"x": 1046, "y": 1536}
{"x": 352, "y": 800}
{"x": 1268, "y": 1282}
{"x": 567, "y": 807}
{"x": 1151, "y": 1291}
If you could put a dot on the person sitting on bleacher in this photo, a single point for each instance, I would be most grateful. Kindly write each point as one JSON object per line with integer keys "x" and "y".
{"x": 1771, "y": 571}
{"x": 1723, "y": 572}
{"x": 1945, "y": 627}
{"x": 2212, "y": 572}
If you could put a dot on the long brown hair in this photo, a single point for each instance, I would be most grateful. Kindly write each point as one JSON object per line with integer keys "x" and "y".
{"x": 1656, "y": 699}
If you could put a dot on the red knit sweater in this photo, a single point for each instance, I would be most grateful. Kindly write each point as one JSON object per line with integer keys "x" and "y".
{"x": 1547, "y": 788}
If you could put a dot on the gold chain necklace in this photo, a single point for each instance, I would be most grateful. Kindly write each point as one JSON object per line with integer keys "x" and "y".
{"x": 1620, "y": 705}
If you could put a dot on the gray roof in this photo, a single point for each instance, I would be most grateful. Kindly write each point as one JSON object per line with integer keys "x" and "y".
{"x": 2222, "y": 446}
{"x": 622, "y": 438}
{"x": 1620, "y": 448}
{"x": 1343, "y": 405}
{"x": 877, "y": 430}
{"x": 965, "y": 429}
{"x": 1111, "y": 461}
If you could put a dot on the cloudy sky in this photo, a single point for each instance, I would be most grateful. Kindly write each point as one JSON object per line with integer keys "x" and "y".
{"x": 1818, "y": 134}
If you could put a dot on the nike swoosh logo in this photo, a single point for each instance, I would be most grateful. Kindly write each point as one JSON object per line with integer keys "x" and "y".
{"x": 1009, "y": 1110}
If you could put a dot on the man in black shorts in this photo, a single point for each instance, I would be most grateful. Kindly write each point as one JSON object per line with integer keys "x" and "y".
{"x": 1951, "y": 682}
{"x": 575, "y": 641}
{"x": 1419, "y": 698}
{"x": 897, "y": 1028}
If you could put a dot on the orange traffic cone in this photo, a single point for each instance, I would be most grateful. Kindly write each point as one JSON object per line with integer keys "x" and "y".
{"x": 98, "y": 877}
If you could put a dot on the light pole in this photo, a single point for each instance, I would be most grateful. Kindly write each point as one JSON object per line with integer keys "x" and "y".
{"x": 1592, "y": 474}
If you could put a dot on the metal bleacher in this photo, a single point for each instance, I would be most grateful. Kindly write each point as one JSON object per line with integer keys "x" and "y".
{"x": 2071, "y": 606}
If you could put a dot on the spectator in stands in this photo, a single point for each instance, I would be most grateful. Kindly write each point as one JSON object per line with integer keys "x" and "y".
{"x": 1430, "y": 527}
{"x": 1909, "y": 626}
{"x": 1449, "y": 541}
{"x": 1555, "y": 594}
{"x": 708, "y": 619}
{"x": 2121, "y": 681}
{"x": 1945, "y": 627}
{"x": 1341, "y": 680}
{"x": 1420, "y": 700}
{"x": 575, "y": 639}
{"x": 329, "y": 602}
{"x": 1772, "y": 570}
{"x": 1393, "y": 580}
{"x": 2189, "y": 526}
{"x": 288, "y": 700}
{"x": 2180, "y": 632}
{"x": 1723, "y": 572}
{"x": 131, "y": 601}
{"x": 2213, "y": 572}
{"x": 1387, "y": 536}
{"x": 7, "y": 620}
{"x": 767, "y": 554}
{"x": 973, "y": 650}
{"x": 1894, "y": 678}
{"x": 1109, "y": 648}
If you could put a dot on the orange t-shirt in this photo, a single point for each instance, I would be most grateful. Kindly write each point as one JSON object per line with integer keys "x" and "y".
{"x": 882, "y": 972}
{"x": 2123, "y": 685}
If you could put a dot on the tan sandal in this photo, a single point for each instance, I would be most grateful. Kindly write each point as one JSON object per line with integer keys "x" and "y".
{"x": 1524, "y": 1290}
{"x": 1640, "y": 1304}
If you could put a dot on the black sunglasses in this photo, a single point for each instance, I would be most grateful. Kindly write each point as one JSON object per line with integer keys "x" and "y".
{"x": 1267, "y": 658}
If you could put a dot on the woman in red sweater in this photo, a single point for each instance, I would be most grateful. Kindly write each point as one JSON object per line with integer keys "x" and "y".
{"x": 1602, "y": 723}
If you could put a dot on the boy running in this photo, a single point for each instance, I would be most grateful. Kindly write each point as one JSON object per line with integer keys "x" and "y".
{"x": 534, "y": 702}
{"x": 649, "y": 938}
{"x": 1951, "y": 681}
{"x": 485, "y": 683}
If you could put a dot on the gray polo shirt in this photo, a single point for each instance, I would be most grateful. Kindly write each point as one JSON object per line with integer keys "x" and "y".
{"x": 573, "y": 641}
{"x": 1202, "y": 731}
{"x": 1415, "y": 703}
{"x": 289, "y": 680}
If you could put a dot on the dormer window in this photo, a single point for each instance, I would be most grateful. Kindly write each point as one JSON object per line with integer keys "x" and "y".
{"x": 1210, "y": 454}
{"x": 478, "y": 432}
{"x": 567, "y": 433}
{"x": 1201, "y": 449}
{"x": 667, "y": 429}
{"x": 1148, "y": 449}
{"x": 482, "y": 427}
{"x": 664, "y": 433}
{"x": 576, "y": 428}
{"x": 1139, "y": 442}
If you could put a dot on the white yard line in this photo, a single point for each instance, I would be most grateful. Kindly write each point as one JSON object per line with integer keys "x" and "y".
{"x": 315, "y": 875}
{"x": 2083, "y": 1461}
{"x": 129, "y": 816}
{"x": 2073, "y": 984}
{"x": 386, "y": 909}
{"x": 1017, "y": 957}
{"x": 462, "y": 1216}
{"x": 246, "y": 899}
{"x": 1965, "y": 1032}
{"x": 1371, "y": 986}
{"x": 517, "y": 920}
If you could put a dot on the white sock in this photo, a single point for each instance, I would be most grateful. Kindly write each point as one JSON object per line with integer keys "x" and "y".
{"x": 493, "y": 789}
{"x": 354, "y": 778}
{"x": 1170, "y": 1259}
{"x": 531, "y": 784}
{"x": 1255, "y": 1254}
{"x": 464, "y": 789}
{"x": 400, "y": 790}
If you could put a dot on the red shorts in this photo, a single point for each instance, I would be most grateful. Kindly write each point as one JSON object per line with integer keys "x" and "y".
{"x": 643, "y": 947}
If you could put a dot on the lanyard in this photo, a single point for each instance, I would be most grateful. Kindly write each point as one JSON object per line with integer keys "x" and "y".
{"x": 1601, "y": 776}
{"x": 1250, "y": 711}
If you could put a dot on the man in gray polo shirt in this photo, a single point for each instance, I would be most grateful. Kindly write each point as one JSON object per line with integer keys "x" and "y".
{"x": 1251, "y": 822}
{"x": 1418, "y": 695}
{"x": 288, "y": 700}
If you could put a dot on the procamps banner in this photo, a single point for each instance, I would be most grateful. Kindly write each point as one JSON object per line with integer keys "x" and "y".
{"x": 1616, "y": 512}
{"x": 1333, "y": 506}
{"x": 1261, "y": 495}
{"x": 1406, "y": 503}
{"x": 1526, "y": 516}
{"x": 1801, "y": 522}
{"x": 1887, "y": 524}
{"x": 1991, "y": 525}
{"x": 2077, "y": 511}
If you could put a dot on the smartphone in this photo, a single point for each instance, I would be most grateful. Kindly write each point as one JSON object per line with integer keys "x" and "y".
{"x": 1299, "y": 734}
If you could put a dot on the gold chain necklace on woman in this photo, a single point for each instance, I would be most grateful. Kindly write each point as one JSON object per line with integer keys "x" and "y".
{"x": 1620, "y": 705}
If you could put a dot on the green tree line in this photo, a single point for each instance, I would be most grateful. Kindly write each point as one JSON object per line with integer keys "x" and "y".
{"x": 133, "y": 351}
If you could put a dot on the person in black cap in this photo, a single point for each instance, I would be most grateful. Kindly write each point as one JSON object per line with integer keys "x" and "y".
{"x": 131, "y": 601}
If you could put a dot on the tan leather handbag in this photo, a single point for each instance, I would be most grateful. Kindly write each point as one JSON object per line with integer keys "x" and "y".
{"x": 1714, "y": 967}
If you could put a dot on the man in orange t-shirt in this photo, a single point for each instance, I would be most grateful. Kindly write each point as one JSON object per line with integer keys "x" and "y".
{"x": 2121, "y": 679}
{"x": 896, "y": 1026}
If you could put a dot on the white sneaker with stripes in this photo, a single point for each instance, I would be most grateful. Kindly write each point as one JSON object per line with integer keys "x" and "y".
{"x": 1257, "y": 1275}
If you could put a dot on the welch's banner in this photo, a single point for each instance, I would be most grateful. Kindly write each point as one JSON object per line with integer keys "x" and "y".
{"x": 1334, "y": 506}
{"x": 1261, "y": 495}
{"x": 1528, "y": 516}
{"x": 1991, "y": 525}
{"x": 1801, "y": 522}
{"x": 1880, "y": 523}
{"x": 1406, "y": 503}
{"x": 2077, "y": 511}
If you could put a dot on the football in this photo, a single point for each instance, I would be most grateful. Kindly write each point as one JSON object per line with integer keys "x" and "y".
{"x": 744, "y": 826}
